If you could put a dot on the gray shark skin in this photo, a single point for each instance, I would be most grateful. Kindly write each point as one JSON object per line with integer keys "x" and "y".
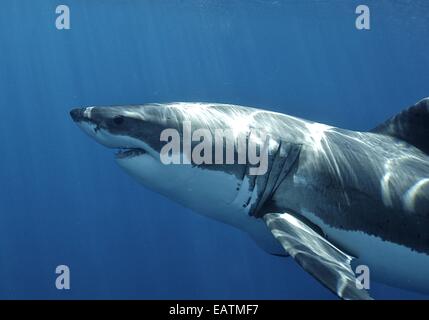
{"x": 331, "y": 198}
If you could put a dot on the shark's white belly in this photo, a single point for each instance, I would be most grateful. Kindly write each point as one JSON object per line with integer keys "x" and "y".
{"x": 221, "y": 196}
{"x": 388, "y": 262}
{"x": 215, "y": 194}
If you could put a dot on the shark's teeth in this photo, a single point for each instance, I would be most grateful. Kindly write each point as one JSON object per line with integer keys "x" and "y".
{"x": 129, "y": 153}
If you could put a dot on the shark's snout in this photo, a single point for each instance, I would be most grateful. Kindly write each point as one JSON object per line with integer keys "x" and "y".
{"x": 77, "y": 114}
{"x": 110, "y": 127}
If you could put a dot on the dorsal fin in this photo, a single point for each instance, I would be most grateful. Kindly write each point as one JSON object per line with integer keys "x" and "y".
{"x": 410, "y": 125}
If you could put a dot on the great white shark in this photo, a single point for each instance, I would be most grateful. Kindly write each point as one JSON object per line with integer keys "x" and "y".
{"x": 331, "y": 198}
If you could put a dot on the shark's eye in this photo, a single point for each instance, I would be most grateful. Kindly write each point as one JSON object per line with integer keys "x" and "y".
{"x": 118, "y": 120}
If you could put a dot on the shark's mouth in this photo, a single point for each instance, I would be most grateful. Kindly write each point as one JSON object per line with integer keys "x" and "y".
{"x": 129, "y": 153}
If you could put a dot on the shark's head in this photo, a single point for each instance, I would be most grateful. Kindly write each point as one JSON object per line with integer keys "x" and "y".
{"x": 132, "y": 130}
{"x": 136, "y": 131}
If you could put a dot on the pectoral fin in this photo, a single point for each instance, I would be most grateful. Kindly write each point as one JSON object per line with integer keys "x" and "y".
{"x": 316, "y": 255}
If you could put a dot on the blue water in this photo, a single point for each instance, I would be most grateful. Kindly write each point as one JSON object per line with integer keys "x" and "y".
{"x": 63, "y": 200}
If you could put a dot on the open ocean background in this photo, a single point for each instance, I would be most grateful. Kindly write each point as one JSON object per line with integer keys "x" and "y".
{"x": 63, "y": 200}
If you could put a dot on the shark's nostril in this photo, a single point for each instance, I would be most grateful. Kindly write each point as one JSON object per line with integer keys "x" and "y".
{"x": 77, "y": 114}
